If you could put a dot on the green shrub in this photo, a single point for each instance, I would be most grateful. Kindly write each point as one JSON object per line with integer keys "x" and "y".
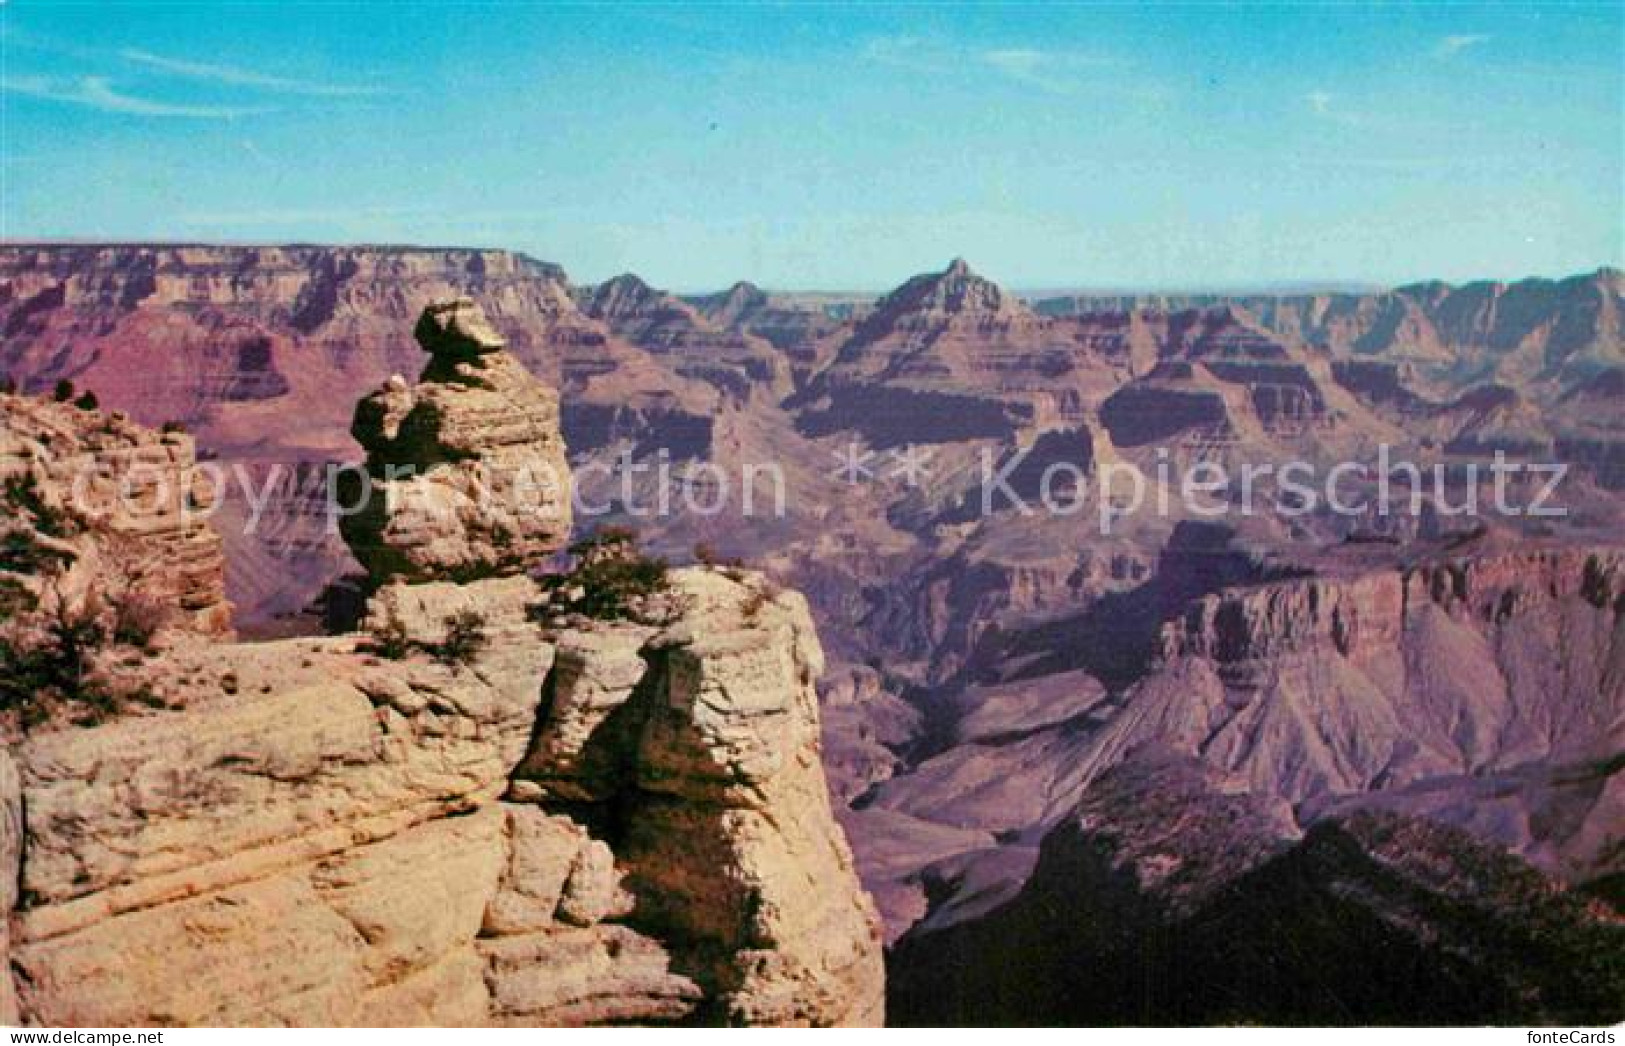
{"x": 706, "y": 555}
{"x": 612, "y": 579}
{"x": 465, "y": 638}
{"x": 757, "y": 599}
{"x": 23, "y": 553}
{"x": 54, "y": 668}
{"x": 16, "y": 599}
{"x": 63, "y": 391}
{"x": 87, "y": 401}
{"x": 390, "y": 638}
{"x": 22, "y": 494}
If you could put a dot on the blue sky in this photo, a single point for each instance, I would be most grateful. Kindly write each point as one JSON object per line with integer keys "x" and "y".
{"x": 838, "y": 146}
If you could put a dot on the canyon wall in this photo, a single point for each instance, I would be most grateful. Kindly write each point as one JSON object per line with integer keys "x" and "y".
{"x": 590, "y": 822}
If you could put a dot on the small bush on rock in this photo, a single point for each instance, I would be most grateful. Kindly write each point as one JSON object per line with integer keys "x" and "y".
{"x": 613, "y": 580}
{"x": 48, "y": 664}
{"x": 22, "y": 494}
{"x": 706, "y": 555}
{"x": 462, "y": 644}
{"x": 757, "y": 599}
{"x": 16, "y": 599}
{"x": 23, "y": 553}
{"x": 465, "y": 638}
{"x": 390, "y": 638}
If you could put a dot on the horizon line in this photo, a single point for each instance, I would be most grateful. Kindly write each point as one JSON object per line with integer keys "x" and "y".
{"x": 1030, "y": 291}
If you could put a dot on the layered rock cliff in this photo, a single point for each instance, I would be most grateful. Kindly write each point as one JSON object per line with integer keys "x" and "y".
{"x": 1479, "y": 688}
{"x": 613, "y": 823}
{"x": 262, "y": 351}
{"x": 466, "y": 470}
{"x": 1170, "y": 894}
{"x": 118, "y": 507}
{"x": 1521, "y": 330}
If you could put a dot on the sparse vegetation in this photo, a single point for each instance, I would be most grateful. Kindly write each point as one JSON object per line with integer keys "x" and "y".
{"x": 8, "y": 386}
{"x": 465, "y": 638}
{"x": 706, "y": 555}
{"x": 87, "y": 401}
{"x": 21, "y": 552}
{"x": 63, "y": 391}
{"x": 173, "y": 427}
{"x": 390, "y": 638}
{"x": 761, "y": 594}
{"x": 137, "y": 618}
{"x": 15, "y": 599}
{"x": 22, "y": 494}
{"x": 613, "y": 580}
{"x": 48, "y": 664}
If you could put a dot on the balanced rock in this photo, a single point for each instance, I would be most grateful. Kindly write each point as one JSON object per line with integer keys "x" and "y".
{"x": 465, "y": 474}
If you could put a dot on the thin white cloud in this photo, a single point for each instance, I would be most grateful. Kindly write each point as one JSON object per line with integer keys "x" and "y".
{"x": 1032, "y": 68}
{"x": 1050, "y": 72}
{"x": 235, "y": 76}
{"x": 1450, "y": 46}
{"x": 97, "y": 92}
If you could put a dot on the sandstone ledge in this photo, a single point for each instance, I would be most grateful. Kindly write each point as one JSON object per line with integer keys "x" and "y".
{"x": 382, "y": 841}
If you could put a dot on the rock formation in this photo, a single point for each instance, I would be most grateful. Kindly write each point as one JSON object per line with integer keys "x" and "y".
{"x": 262, "y": 352}
{"x": 122, "y": 508}
{"x": 1481, "y": 689}
{"x": 616, "y": 824}
{"x": 952, "y": 356}
{"x": 1171, "y": 894}
{"x": 467, "y": 470}
{"x": 702, "y": 765}
{"x": 988, "y": 669}
{"x": 727, "y": 357}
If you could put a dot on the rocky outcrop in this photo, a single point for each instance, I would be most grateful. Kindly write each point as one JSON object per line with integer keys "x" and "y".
{"x": 466, "y": 468}
{"x": 703, "y": 759}
{"x": 618, "y": 824}
{"x": 116, "y": 507}
{"x": 309, "y": 849}
{"x": 262, "y": 352}
{"x": 1377, "y": 681}
{"x": 1172, "y": 895}
{"x": 340, "y": 842}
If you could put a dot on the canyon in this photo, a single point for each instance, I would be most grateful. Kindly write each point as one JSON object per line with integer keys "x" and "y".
{"x": 594, "y": 822}
{"x": 1407, "y": 724}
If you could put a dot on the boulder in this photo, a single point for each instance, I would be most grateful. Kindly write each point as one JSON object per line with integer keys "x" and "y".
{"x": 465, "y": 474}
